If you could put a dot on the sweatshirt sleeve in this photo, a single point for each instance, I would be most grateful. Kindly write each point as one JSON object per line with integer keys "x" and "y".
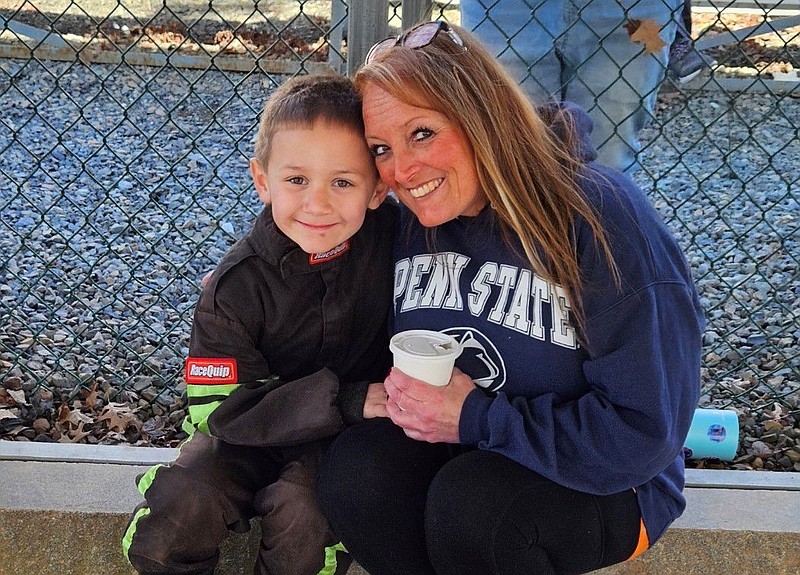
{"x": 642, "y": 368}
{"x": 644, "y": 384}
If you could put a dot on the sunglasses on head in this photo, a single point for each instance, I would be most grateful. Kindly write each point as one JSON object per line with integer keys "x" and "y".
{"x": 417, "y": 37}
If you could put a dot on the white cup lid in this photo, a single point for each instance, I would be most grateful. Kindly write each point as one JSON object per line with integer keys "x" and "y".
{"x": 423, "y": 343}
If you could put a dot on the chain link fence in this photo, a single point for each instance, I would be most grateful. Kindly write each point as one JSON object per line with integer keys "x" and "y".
{"x": 125, "y": 131}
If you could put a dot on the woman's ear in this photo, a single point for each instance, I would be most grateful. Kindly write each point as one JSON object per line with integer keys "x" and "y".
{"x": 259, "y": 180}
{"x": 380, "y": 193}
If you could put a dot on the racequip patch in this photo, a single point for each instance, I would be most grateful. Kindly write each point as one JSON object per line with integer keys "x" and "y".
{"x": 330, "y": 254}
{"x": 211, "y": 370}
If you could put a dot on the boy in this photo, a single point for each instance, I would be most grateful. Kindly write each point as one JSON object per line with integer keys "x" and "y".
{"x": 288, "y": 333}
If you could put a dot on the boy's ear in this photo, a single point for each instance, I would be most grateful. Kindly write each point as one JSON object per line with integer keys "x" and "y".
{"x": 380, "y": 193}
{"x": 259, "y": 180}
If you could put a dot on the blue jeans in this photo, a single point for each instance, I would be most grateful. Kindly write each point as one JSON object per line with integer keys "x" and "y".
{"x": 581, "y": 51}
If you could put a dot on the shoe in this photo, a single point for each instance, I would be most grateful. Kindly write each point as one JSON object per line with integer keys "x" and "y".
{"x": 685, "y": 63}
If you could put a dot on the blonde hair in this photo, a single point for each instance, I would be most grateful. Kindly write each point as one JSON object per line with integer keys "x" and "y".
{"x": 530, "y": 177}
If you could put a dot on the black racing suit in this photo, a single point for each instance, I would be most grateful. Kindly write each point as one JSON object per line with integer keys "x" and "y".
{"x": 283, "y": 347}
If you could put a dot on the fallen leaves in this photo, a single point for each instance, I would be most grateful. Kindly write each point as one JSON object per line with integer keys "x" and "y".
{"x": 18, "y": 396}
{"x": 66, "y": 416}
{"x": 89, "y": 418}
{"x": 119, "y": 417}
{"x": 91, "y": 397}
{"x": 9, "y": 420}
{"x": 75, "y": 435}
{"x": 73, "y": 424}
{"x": 646, "y": 32}
{"x": 7, "y": 414}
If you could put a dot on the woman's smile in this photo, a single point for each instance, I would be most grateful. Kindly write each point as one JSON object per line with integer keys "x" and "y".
{"x": 426, "y": 188}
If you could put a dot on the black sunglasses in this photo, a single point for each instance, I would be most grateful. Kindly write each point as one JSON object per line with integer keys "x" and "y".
{"x": 417, "y": 37}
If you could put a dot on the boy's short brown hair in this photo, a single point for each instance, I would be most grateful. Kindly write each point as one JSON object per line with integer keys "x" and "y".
{"x": 303, "y": 100}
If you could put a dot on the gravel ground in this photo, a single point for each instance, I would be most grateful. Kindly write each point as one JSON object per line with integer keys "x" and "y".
{"x": 723, "y": 171}
{"x": 120, "y": 188}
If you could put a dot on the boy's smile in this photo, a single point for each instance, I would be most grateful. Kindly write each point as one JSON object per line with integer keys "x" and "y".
{"x": 320, "y": 180}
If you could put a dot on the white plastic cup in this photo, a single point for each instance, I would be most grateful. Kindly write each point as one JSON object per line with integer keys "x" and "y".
{"x": 425, "y": 354}
{"x": 714, "y": 433}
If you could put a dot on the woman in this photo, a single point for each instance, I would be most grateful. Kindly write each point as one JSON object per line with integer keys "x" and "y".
{"x": 556, "y": 445}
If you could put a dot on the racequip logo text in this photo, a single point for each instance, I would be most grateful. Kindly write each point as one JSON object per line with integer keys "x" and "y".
{"x": 330, "y": 254}
{"x": 210, "y": 370}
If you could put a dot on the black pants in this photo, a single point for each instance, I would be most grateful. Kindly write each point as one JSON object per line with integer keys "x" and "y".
{"x": 406, "y": 507}
{"x": 212, "y": 486}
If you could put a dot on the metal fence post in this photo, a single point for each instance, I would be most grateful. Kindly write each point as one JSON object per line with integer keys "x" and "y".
{"x": 367, "y": 22}
{"x": 337, "y": 32}
{"x": 416, "y": 11}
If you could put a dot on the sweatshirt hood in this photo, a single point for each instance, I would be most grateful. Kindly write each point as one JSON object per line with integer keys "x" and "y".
{"x": 571, "y": 125}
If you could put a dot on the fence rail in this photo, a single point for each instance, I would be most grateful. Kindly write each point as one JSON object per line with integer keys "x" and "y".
{"x": 125, "y": 131}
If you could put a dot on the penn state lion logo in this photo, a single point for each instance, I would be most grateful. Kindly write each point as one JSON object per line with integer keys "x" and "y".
{"x": 479, "y": 358}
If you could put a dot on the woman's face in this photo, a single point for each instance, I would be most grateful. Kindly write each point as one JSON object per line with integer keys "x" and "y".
{"x": 423, "y": 157}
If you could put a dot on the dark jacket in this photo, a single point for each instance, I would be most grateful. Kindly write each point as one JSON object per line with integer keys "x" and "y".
{"x": 283, "y": 347}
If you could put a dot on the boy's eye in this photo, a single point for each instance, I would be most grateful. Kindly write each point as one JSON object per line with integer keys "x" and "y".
{"x": 341, "y": 184}
{"x": 297, "y": 180}
{"x": 378, "y": 150}
{"x": 421, "y": 134}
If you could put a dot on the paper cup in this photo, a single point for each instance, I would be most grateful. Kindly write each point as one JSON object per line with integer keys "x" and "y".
{"x": 426, "y": 355}
{"x": 713, "y": 433}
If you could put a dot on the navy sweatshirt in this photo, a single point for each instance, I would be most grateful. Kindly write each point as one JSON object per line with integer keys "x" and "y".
{"x": 601, "y": 416}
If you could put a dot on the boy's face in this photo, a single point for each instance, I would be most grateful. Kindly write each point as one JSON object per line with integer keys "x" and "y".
{"x": 320, "y": 182}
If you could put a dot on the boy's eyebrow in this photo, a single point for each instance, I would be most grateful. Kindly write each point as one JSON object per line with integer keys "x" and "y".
{"x": 349, "y": 172}
{"x": 345, "y": 170}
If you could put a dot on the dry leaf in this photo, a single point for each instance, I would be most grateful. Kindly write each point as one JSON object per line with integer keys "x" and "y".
{"x": 778, "y": 412}
{"x": 119, "y": 417}
{"x": 14, "y": 431}
{"x": 646, "y": 32}
{"x": 5, "y": 398}
{"x": 7, "y": 414}
{"x": 71, "y": 416}
{"x": 77, "y": 434}
{"x": 91, "y": 397}
{"x": 18, "y": 396}
{"x": 62, "y": 415}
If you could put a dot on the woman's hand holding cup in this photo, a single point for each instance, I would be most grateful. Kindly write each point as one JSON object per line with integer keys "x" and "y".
{"x": 427, "y": 412}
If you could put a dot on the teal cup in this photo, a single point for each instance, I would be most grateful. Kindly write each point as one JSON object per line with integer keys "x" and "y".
{"x": 714, "y": 433}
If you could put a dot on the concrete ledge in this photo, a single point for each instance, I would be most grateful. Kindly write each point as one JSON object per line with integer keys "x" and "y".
{"x": 63, "y": 509}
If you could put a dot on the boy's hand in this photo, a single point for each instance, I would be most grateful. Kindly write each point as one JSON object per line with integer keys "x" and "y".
{"x": 427, "y": 412}
{"x": 375, "y": 403}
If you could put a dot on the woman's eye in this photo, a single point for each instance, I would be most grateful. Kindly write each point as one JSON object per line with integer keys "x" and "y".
{"x": 421, "y": 134}
{"x": 378, "y": 150}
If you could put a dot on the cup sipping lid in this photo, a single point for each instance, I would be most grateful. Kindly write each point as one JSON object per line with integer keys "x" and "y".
{"x": 426, "y": 343}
